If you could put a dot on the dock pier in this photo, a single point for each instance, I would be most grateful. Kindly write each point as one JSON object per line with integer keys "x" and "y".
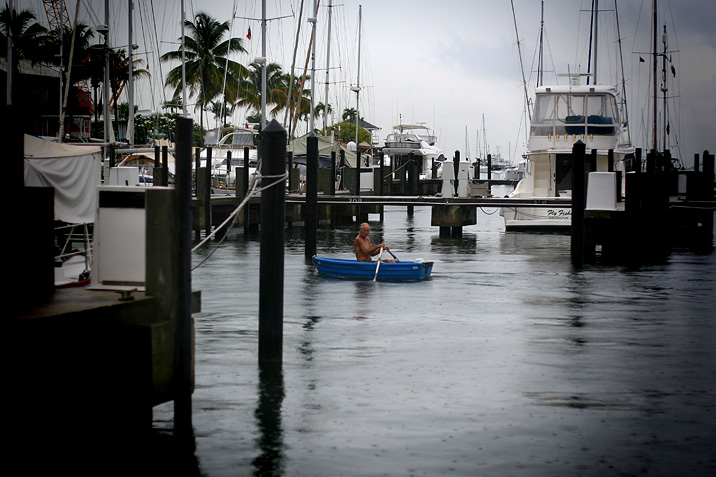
{"x": 86, "y": 366}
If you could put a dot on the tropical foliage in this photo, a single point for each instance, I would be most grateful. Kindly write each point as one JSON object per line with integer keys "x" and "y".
{"x": 346, "y": 132}
{"x": 29, "y": 37}
{"x": 209, "y": 71}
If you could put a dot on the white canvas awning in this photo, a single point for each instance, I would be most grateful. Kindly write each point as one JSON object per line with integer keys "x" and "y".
{"x": 74, "y": 171}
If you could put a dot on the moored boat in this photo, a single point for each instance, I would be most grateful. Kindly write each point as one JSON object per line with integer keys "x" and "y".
{"x": 417, "y": 139}
{"x": 593, "y": 114}
{"x": 344, "y": 268}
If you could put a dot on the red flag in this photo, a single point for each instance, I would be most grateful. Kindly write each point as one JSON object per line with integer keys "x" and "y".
{"x": 248, "y": 35}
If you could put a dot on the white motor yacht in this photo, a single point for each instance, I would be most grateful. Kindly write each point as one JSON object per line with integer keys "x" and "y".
{"x": 562, "y": 116}
{"x": 418, "y": 139}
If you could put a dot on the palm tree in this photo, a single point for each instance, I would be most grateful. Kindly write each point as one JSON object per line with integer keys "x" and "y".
{"x": 326, "y": 110}
{"x": 119, "y": 74}
{"x": 349, "y": 115}
{"x": 28, "y": 37}
{"x": 276, "y": 88}
{"x": 208, "y": 69}
{"x": 220, "y": 110}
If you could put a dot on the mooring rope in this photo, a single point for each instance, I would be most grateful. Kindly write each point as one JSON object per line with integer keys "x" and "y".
{"x": 253, "y": 190}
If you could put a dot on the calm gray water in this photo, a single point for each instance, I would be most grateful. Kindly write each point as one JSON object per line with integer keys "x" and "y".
{"x": 506, "y": 362}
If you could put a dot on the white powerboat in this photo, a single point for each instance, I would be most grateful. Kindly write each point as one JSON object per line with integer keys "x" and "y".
{"x": 418, "y": 139}
{"x": 224, "y": 140}
{"x": 564, "y": 115}
{"x": 594, "y": 114}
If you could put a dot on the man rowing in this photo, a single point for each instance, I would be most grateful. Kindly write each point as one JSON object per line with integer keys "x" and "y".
{"x": 363, "y": 247}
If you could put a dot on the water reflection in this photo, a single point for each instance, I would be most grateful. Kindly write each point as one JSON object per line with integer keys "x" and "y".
{"x": 268, "y": 421}
{"x": 364, "y": 290}
{"x": 306, "y": 348}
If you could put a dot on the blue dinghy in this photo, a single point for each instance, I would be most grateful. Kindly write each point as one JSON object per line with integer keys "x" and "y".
{"x": 338, "y": 267}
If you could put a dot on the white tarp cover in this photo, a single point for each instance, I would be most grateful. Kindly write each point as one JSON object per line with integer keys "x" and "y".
{"x": 74, "y": 171}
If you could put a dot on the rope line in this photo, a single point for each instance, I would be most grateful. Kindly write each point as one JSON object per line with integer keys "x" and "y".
{"x": 253, "y": 190}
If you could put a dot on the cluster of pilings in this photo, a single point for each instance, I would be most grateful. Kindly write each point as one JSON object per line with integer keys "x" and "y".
{"x": 662, "y": 207}
{"x": 400, "y": 178}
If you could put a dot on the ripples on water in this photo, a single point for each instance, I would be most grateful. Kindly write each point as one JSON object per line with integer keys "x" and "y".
{"x": 506, "y": 361}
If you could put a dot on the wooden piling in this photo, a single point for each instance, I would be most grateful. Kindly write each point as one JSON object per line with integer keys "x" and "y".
{"x": 207, "y": 198}
{"x": 273, "y": 166}
{"x": 311, "y": 221}
{"x": 410, "y": 185}
{"x": 183, "y": 330}
{"x": 578, "y": 203}
{"x": 489, "y": 175}
{"x": 245, "y": 179}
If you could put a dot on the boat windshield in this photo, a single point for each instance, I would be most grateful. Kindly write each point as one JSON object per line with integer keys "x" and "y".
{"x": 592, "y": 114}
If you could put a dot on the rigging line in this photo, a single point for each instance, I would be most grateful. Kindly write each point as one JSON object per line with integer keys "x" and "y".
{"x": 519, "y": 52}
{"x": 293, "y": 65}
{"x": 140, "y": 5}
{"x": 226, "y": 65}
{"x": 157, "y": 46}
{"x": 280, "y": 179}
{"x": 621, "y": 61}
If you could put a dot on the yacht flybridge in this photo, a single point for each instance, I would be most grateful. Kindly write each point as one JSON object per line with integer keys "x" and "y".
{"x": 566, "y": 114}
{"x": 562, "y": 116}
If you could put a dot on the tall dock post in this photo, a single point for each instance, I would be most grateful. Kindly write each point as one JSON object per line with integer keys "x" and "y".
{"x": 342, "y": 166}
{"x": 207, "y": 192}
{"x": 489, "y": 175}
{"x": 578, "y": 202}
{"x": 333, "y": 185}
{"x": 183, "y": 330}
{"x": 156, "y": 174}
{"x": 195, "y": 185}
{"x": 245, "y": 179}
{"x": 311, "y": 223}
{"x": 410, "y": 188}
{"x": 273, "y": 213}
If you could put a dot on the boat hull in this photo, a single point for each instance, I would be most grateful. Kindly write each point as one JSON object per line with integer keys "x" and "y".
{"x": 342, "y": 268}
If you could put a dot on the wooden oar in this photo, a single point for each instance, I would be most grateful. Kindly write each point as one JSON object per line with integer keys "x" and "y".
{"x": 377, "y": 267}
{"x": 396, "y": 258}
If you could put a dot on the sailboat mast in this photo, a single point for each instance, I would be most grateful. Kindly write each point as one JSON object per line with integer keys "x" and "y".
{"x": 263, "y": 64}
{"x": 664, "y": 89}
{"x": 328, "y": 68}
{"x": 311, "y": 121}
{"x": 105, "y": 99}
{"x": 357, "y": 87}
{"x": 596, "y": 37}
{"x": 540, "y": 60}
{"x": 130, "y": 82}
{"x": 655, "y": 54}
{"x": 183, "y": 62}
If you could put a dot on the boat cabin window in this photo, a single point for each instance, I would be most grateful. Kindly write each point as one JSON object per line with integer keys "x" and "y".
{"x": 574, "y": 114}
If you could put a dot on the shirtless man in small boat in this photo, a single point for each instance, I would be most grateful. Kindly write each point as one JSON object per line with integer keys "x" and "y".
{"x": 364, "y": 249}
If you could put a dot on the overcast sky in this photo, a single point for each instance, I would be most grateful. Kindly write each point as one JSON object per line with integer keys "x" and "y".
{"x": 451, "y": 63}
